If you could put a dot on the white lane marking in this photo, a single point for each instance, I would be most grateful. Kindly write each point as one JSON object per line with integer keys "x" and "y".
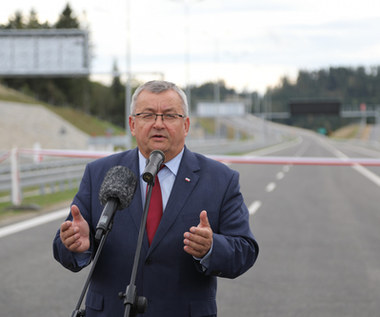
{"x": 280, "y": 175}
{"x": 367, "y": 173}
{"x": 34, "y": 222}
{"x": 270, "y": 187}
{"x": 254, "y": 207}
{"x": 277, "y": 147}
{"x": 357, "y": 148}
{"x": 286, "y": 168}
{"x": 359, "y": 168}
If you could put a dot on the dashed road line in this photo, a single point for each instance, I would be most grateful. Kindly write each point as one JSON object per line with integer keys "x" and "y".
{"x": 280, "y": 175}
{"x": 270, "y": 187}
{"x": 254, "y": 207}
{"x": 359, "y": 168}
{"x": 286, "y": 168}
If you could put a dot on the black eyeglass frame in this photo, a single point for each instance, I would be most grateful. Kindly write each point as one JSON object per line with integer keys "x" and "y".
{"x": 167, "y": 116}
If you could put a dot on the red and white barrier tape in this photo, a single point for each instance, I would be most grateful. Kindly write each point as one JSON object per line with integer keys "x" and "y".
{"x": 278, "y": 160}
{"x": 284, "y": 160}
{"x": 65, "y": 153}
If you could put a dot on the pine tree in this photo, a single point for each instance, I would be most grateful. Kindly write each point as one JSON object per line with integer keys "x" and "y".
{"x": 67, "y": 20}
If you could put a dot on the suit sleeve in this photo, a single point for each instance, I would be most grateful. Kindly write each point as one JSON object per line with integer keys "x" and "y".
{"x": 67, "y": 258}
{"x": 234, "y": 247}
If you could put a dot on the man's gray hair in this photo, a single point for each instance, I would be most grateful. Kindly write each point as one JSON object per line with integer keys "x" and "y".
{"x": 158, "y": 86}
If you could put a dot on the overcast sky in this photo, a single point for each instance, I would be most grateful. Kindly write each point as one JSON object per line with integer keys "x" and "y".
{"x": 250, "y": 44}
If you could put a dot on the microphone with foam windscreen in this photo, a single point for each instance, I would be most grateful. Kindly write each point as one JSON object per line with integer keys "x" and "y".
{"x": 116, "y": 193}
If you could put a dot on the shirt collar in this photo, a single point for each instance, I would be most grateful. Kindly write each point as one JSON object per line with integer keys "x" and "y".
{"x": 172, "y": 165}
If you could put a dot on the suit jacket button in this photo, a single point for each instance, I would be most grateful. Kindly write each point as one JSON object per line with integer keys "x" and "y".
{"x": 148, "y": 261}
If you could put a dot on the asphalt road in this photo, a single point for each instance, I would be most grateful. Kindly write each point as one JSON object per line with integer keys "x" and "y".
{"x": 318, "y": 230}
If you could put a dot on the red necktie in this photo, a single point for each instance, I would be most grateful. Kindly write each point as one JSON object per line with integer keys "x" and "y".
{"x": 155, "y": 210}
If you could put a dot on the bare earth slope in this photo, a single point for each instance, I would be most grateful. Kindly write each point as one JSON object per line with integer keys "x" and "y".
{"x": 23, "y": 125}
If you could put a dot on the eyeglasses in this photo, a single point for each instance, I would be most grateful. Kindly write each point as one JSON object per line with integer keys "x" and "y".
{"x": 166, "y": 117}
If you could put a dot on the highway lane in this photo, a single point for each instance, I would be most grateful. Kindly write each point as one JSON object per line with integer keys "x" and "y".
{"x": 32, "y": 282}
{"x": 317, "y": 227}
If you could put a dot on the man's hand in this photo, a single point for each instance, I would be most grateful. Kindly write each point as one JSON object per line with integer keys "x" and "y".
{"x": 199, "y": 240}
{"x": 75, "y": 234}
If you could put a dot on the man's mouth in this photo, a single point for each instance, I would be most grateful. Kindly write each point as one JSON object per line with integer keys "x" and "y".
{"x": 158, "y": 136}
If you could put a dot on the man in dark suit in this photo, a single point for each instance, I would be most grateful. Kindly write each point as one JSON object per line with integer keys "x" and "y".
{"x": 203, "y": 233}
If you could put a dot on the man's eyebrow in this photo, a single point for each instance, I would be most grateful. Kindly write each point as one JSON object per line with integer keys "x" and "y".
{"x": 172, "y": 109}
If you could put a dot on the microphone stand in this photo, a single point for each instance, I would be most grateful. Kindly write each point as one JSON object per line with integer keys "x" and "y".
{"x": 81, "y": 312}
{"x": 137, "y": 304}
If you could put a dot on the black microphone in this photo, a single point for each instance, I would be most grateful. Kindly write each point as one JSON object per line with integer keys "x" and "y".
{"x": 116, "y": 193}
{"x": 156, "y": 158}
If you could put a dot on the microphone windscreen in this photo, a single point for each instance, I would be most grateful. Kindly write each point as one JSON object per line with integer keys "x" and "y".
{"x": 119, "y": 183}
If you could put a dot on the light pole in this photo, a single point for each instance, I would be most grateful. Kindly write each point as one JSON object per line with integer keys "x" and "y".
{"x": 187, "y": 50}
{"x": 128, "y": 88}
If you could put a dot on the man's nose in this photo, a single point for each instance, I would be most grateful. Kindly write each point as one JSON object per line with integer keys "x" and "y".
{"x": 159, "y": 121}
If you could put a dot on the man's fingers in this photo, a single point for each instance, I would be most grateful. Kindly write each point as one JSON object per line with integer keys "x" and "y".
{"x": 75, "y": 234}
{"x": 198, "y": 240}
{"x": 71, "y": 240}
{"x": 65, "y": 226}
{"x": 201, "y": 232}
{"x": 193, "y": 252}
{"x": 194, "y": 241}
{"x": 67, "y": 231}
{"x": 197, "y": 244}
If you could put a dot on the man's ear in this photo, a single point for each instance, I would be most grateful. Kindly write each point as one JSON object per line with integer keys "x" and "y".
{"x": 187, "y": 125}
{"x": 131, "y": 125}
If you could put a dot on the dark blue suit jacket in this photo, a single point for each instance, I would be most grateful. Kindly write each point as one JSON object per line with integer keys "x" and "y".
{"x": 171, "y": 280}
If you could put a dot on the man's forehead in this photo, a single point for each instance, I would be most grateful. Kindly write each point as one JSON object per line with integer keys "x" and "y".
{"x": 168, "y": 100}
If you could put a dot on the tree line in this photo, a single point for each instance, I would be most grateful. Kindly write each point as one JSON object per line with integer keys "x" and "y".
{"x": 350, "y": 85}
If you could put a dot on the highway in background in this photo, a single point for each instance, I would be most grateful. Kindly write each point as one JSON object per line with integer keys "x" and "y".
{"x": 317, "y": 227}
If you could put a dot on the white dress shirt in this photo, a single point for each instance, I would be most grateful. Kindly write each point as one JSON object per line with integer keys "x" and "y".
{"x": 166, "y": 177}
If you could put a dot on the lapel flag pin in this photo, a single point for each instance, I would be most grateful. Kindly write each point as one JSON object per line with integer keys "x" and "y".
{"x": 187, "y": 179}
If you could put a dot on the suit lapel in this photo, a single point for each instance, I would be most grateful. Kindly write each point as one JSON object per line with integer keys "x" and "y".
{"x": 135, "y": 209}
{"x": 186, "y": 180}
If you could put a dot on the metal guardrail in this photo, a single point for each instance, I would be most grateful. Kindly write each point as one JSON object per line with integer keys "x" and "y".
{"x": 45, "y": 174}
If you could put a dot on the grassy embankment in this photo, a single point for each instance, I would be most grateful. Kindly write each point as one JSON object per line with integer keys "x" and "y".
{"x": 86, "y": 123}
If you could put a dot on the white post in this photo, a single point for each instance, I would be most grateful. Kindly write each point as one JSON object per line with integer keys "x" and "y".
{"x": 15, "y": 175}
{"x": 37, "y": 157}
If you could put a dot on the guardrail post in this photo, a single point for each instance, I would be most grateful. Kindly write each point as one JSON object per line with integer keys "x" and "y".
{"x": 15, "y": 175}
{"x": 37, "y": 157}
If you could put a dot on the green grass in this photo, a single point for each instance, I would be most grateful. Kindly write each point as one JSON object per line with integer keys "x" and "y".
{"x": 208, "y": 124}
{"x": 8, "y": 94}
{"x": 347, "y": 132}
{"x": 44, "y": 202}
{"x": 84, "y": 122}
